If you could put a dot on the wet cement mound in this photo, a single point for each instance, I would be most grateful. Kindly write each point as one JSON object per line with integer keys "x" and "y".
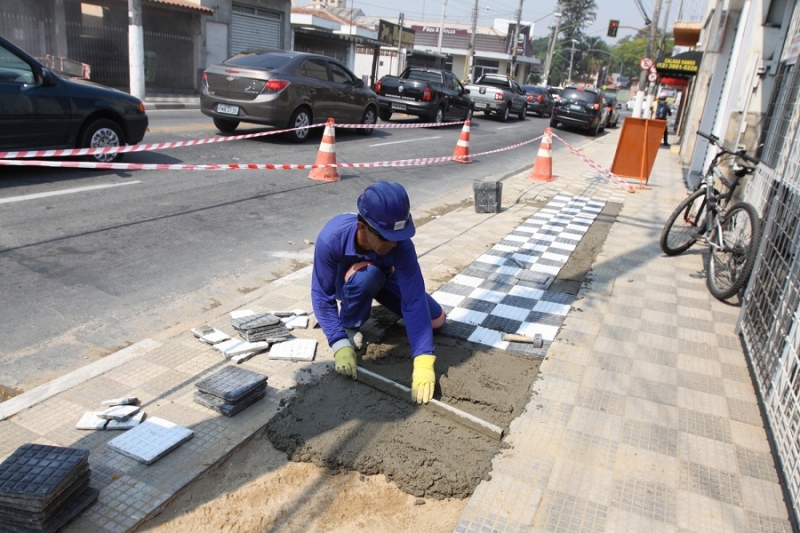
{"x": 342, "y": 424}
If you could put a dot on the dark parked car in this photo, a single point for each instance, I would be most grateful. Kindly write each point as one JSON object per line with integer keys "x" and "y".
{"x": 40, "y": 110}
{"x": 540, "y": 100}
{"x": 432, "y": 94}
{"x": 613, "y": 111}
{"x": 285, "y": 90}
{"x": 581, "y": 107}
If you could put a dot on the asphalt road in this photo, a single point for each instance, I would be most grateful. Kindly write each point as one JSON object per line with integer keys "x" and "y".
{"x": 93, "y": 261}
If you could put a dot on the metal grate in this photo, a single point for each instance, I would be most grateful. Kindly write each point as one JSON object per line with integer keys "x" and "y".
{"x": 770, "y": 319}
{"x": 105, "y": 49}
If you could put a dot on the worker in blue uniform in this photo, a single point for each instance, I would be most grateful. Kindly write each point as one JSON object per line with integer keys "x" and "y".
{"x": 366, "y": 256}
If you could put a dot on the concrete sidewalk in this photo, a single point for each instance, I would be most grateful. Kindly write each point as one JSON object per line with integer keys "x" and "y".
{"x": 644, "y": 417}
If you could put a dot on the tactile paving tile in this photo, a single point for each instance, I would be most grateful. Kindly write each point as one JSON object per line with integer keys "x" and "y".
{"x": 90, "y": 420}
{"x": 151, "y": 440}
{"x": 128, "y": 423}
{"x": 294, "y": 350}
{"x": 35, "y": 474}
{"x": 231, "y": 383}
{"x": 40, "y": 518}
{"x": 72, "y": 509}
{"x": 229, "y": 408}
{"x": 235, "y": 347}
{"x": 210, "y": 335}
{"x": 250, "y": 322}
{"x": 505, "y": 289}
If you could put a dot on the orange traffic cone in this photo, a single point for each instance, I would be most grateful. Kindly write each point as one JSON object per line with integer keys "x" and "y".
{"x": 326, "y": 156}
{"x": 543, "y": 169}
{"x": 462, "y": 146}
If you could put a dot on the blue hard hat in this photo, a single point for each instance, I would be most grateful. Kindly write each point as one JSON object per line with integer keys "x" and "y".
{"x": 385, "y": 207}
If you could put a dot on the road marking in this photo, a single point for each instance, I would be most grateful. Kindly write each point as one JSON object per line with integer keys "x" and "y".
{"x": 25, "y": 197}
{"x": 507, "y": 127}
{"x": 182, "y": 128}
{"x": 408, "y": 141}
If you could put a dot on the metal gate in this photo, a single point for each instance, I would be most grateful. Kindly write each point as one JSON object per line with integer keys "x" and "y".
{"x": 252, "y": 27}
{"x": 770, "y": 318}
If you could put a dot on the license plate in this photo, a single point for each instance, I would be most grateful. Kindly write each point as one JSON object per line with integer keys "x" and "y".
{"x": 480, "y": 106}
{"x": 228, "y": 109}
{"x": 399, "y": 107}
{"x": 576, "y": 107}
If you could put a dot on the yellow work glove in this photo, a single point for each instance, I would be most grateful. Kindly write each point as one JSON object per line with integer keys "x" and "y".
{"x": 346, "y": 361}
{"x": 423, "y": 379}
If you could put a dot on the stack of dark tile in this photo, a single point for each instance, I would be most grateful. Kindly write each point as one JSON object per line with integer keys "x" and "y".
{"x": 262, "y": 327}
{"x": 43, "y": 487}
{"x": 230, "y": 390}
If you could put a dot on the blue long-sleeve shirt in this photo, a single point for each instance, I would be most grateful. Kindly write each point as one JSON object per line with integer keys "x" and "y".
{"x": 335, "y": 252}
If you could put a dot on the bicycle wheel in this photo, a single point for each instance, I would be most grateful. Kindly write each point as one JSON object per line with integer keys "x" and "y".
{"x": 731, "y": 261}
{"x": 684, "y": 224}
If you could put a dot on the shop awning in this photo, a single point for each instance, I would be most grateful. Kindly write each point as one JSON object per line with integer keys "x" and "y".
{"x": 184, "y": 5}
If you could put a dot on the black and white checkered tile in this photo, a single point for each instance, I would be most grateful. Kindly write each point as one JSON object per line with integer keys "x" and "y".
{"x": 505, "y": 290}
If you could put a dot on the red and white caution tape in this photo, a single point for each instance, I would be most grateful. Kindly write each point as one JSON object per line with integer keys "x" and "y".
{"x": 29, "y": 154}
{"x": 604, "y": 172}
{"x": 262, "y": 166}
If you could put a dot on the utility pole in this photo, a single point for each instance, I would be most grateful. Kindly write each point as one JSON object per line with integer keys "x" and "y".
{"x": 549, "y": 58}
{"x": 644, "y": 107}
{"x": 514, "y": 42}
{"x": 469, "y": 64}
{"x": 136, "y": 48}
{"x": 441, "y": 33}
{"x": 571, "y": 55}
{"x": 400, "y": 44}
{"x": 660, "y": 49}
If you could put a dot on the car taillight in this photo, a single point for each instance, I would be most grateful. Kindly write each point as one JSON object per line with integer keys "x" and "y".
{"x": 378, "y": 87}
{"x": 539, "y": 98}
{"x": 427, "y": 94}
{"x": 498, "y": 96}
{"x": 530, "y": 98}
{"x": 595, "y": 106}
{"x": 205, "y": 80}
{"x": 275, "y": 86}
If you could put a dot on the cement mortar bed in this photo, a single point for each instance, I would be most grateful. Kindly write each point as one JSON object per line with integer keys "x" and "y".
{"x": 341, "y": 424}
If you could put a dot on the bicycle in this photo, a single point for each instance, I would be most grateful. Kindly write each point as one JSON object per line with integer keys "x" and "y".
{"x": 731, "y": 234}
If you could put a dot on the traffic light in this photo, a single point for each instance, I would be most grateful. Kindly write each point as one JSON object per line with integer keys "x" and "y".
{"x": 613, "y": 26}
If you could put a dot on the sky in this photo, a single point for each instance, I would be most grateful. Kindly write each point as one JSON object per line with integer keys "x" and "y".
{"x": 460, "y": 11}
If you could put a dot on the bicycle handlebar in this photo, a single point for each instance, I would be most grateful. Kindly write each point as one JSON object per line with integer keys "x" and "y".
{"x": 716, "y": 142}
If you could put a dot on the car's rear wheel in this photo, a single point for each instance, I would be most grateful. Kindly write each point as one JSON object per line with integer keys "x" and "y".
{"x": 553, "y": 123}
{"x": 102, "y": 133}
{"x": 368, "y": 119}
{"x": 438, "y": 117}
{"x": 225, "y": 125}
{"x": 505, "y": 113}
{"x": 300, "y": 121}
{"x": 523, "y": 113}
{"x": 468, "y": 115}
{"x": 384, "y": 115}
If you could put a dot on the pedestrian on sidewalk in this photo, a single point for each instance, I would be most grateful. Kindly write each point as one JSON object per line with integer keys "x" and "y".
{"x": 366, "y": 256}
{"x": 663, "y": 110}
